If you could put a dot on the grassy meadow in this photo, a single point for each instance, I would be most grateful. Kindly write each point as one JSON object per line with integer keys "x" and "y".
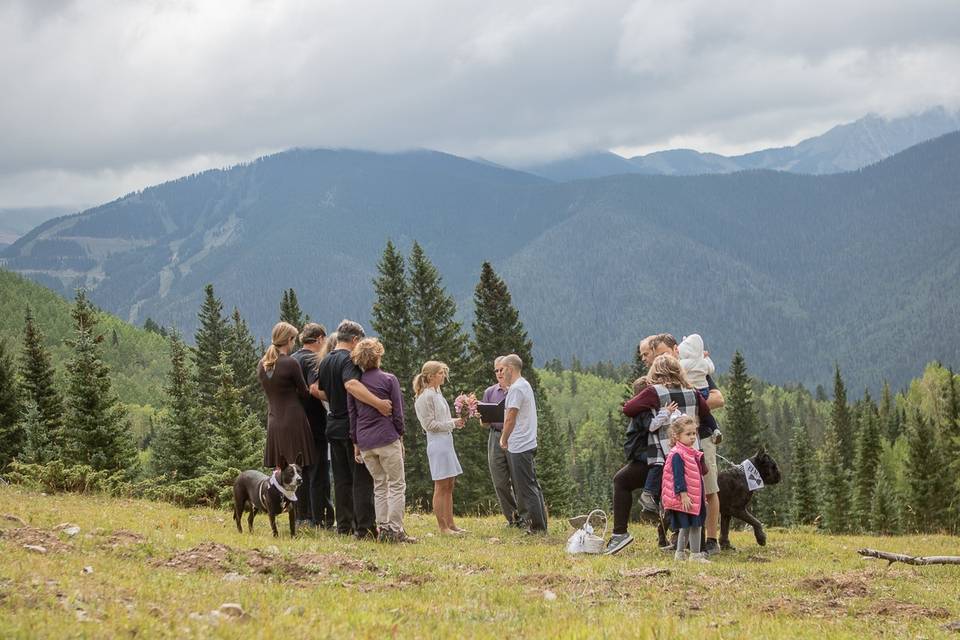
{"x": 147, "y": 569}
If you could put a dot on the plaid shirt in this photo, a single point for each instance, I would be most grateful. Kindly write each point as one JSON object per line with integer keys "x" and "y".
{"x": 658, "y": 441}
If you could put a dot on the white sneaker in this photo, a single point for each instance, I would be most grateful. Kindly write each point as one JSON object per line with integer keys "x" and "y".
{"x": 699, "y": 557}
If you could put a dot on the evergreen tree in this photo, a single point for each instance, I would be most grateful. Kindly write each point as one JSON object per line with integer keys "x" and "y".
{"x": 952, "y": 422}
{"x": 13, "y": 437}
{"x": 290, "y": 309}
{"x": 865, "y": 467}
{"x": 437, "y": 336}
{"x": 497, "y": 330}
{"x": 804, "y": 507}
{"x": 243, "y": 358}
{"x": 37, "y": 447}
{"x": 885, "y": 508}
{"x": 211, "y": 338}
{"x": 928, "y": 495}
{"x": 39, "y": 390}
{"x": 889, "y": 419}
{"x": 553, "y": 460}
{"x": 391, "y": 319}
{"x": 834, "y": 484}
{"x": 238, "y": 435}
{"x": 96, "y": 429}
{"x": 842, "y": 420}
{"x": 181, "y": 448}
{"x": 742, "y": 432}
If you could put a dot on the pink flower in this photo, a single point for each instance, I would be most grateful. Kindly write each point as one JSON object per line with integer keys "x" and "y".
{"x": 466, "y": 406}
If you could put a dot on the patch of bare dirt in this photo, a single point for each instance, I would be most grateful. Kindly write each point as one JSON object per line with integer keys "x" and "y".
{"x": 206, "y": 556}
{"x": 905, "y": 609}
{"x": 35, "y": 539}
{"x": 802, "y": 607}
{"x": 840, "y": 585}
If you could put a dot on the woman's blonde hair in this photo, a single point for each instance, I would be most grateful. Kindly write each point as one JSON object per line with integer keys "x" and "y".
{"x": 678, "y": 425}
{"x": 281, "y": 335}
{"x": 367, "y": 353}
{"x": 429, "y": 369}
{"x": 666, "y": 370}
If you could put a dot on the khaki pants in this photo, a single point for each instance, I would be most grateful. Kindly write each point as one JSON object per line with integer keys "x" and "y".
{"x": 385, "y": 465}
{"x": 710, "y": 479}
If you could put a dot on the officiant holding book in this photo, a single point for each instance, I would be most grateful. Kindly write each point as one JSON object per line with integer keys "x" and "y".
{"x": 497, "y": 457}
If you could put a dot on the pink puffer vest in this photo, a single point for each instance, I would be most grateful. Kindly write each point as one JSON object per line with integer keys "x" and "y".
{"x": 691, "y": 473}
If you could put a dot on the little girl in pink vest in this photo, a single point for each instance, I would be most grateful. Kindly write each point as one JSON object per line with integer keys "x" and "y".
{"x": 682, "y": 493}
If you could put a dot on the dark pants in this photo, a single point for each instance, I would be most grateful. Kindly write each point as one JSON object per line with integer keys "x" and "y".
{"x": 527, "y": 489}
{"x": 630, "y": 478}
{"x": 498, "y": 460}
{"x": 653, "y": 483}
{"x": 313, "y": 496}
{"x": 352, "y": 490}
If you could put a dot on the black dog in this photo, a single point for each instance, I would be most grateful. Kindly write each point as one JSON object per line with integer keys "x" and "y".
{"x": 735, "y": 496}
{"x": 255, "y": 491}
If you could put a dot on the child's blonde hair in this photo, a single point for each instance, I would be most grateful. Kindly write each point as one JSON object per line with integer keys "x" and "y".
{"x": 640, "y": 384}
{"x": 678, "y": 426}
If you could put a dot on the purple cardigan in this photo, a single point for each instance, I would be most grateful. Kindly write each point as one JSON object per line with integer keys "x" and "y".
{"x": 369, "y": 428}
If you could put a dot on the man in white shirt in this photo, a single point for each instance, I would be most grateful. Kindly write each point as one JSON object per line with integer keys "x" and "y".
{"x": 519, "y": 439}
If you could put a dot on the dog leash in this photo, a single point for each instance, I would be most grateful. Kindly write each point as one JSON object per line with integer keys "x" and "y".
{"x": 735, "y": 466}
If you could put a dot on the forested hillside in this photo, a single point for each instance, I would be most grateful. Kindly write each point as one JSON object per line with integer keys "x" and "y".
{"x": 795, "y": 271}
{"x": 138, "y": 359}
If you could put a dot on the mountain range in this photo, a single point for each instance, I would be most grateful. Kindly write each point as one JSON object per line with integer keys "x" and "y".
{"x": 845, "y": 147}
{"x": 796, "y": 271}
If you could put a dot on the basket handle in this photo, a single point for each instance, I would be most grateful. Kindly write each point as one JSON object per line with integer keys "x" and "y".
{"x": 602, "y": 515}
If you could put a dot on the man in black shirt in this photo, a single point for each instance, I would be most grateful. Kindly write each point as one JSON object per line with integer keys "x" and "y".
{"x": 313, "y": 496}
{"x": 352, "y": 484}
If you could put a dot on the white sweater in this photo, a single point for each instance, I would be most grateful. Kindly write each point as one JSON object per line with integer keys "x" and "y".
{"x": 433, "y": 412}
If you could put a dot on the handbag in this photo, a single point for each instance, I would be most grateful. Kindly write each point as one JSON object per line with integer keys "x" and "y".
{"x": 584, "y": 540}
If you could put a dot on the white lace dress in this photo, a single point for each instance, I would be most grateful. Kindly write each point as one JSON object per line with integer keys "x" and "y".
{"x": 433, "y": 412}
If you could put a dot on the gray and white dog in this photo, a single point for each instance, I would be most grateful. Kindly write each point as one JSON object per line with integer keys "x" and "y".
{"x": 272, "y": 495}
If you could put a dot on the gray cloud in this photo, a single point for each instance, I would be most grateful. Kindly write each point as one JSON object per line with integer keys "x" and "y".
{"x": 110, "y": 96}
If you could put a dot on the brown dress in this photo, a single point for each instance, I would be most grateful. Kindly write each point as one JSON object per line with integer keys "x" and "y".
{"x": 288, "y": 430}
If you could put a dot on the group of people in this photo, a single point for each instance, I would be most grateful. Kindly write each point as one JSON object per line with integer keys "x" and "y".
{"x": 331, "y": 395}
{"x": 671, "y": 448}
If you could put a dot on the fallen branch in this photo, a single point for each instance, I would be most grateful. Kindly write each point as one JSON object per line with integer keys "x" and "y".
{"x": 902, "y": 557}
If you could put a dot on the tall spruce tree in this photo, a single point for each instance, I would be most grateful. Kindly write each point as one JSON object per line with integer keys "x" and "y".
{"x": 887, "y": 410}
{"x": 842, "y": 419}
{"x": 927, "y": 485}
{"x": 13, "y": 437}
{"x": 804, "y": 503}
{"x": 869, "y": 448}
{"x": 96, "y": 428}
{"x": 243, "y": 358}
{"x": 742, "y": 431}
{"x": 290, "y": 310}
{"x": 436, "y": 335}
{"x": 834, "y": 484}
{"x": 210, "y": 338}
{"x": 181, "y": 448}
{"x": 391, "y": 319}
{"x": 238, "y": 435}
{"x": 885, "y": 504}
{"x": 39, "y": 391}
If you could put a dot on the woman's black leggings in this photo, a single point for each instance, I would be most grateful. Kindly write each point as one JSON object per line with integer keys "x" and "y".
{"x": 630, "y": 478}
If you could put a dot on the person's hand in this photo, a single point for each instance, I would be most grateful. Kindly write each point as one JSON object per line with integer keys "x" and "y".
{"x": 315, "y": 389}
{"x": 673, "y": 406}
{"x": 459, "y": 422}
{"x": 503, "y": 443}
{"x": 357, "y": 455}
{"x": 385, "y": 407}
{"x": 685, "y": 501}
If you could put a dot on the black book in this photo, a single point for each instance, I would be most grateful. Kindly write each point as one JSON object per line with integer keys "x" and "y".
{"x": 490, "y": 412}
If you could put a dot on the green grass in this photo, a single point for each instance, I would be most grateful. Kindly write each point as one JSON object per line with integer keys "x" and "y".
{"x": 494, "y": 583}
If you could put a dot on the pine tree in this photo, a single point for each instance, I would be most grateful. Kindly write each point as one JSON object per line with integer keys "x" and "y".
{"x": 842, "y": 420}
{"x": 290, "y": 309}
{"x": 865, "y": 467}
{"x": 742, "y": 432}
{"x": 238, "y": 435}
{"x": 13, "y": 437}
{"x": 885, "y": 504}
{"x": 96, "y": 429}
{"x": 210, "y": 338}
{"x": 391, "y": 319}
{"x": 497, "y": 330}
{"x": 889, "y": 422}
{"x": 834, "y": 484}
{"x": 804, "y": 507}
{"x": 39, "y": 390}
{"x": 951, "y": 425}
{"x": 926, "y": 477}
{"x": 181, "y": 449}
{"x": 243, "y": 358}
{"x": 437, "y": 336}
{"x": 553, "y": 460}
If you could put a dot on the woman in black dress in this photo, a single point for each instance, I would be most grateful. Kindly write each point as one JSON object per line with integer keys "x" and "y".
{"x": 288, "y": 430}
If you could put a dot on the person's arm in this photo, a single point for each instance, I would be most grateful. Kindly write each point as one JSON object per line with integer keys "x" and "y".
{"x": 317, "y": 393}
{"x": 704, "y": 416}
{"x": 715, "y": 398}
{"x": 509, "y": 422}
{"x": 646, "y": 399}
{"x": 429, "y": 417}
{"x": 352, "y": 415}
{"x": 397, "y": 399}
{"x": 356, "y": 389}
{"x": 297, "y": 374}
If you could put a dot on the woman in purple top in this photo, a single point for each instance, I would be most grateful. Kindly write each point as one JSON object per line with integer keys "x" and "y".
{"x": 378, "y": 440}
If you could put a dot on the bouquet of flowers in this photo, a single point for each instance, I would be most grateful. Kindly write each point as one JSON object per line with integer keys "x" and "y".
{"x": 465, "y": 405}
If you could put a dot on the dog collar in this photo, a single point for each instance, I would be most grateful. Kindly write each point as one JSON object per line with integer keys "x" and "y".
{"x": 754, "y": 479}
{"x": 289, "y": 495}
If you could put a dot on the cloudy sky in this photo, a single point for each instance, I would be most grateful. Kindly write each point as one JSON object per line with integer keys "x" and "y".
{"x": 104, "y": 97}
